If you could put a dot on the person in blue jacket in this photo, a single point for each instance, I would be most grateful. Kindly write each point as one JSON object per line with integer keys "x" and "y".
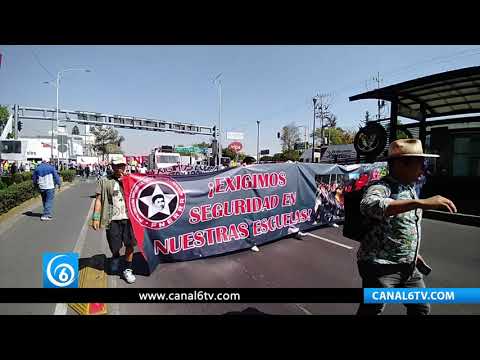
{"x": 45, "y": 177}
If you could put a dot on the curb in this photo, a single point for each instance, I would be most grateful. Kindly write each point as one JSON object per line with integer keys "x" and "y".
{"x": 462, "y": 219}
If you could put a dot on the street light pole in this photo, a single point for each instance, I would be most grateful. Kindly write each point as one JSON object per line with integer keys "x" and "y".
{"x": 313, "y": 140}
{"x": 57, "y": 86}
{"x": 258, "y": 141}
{"x": 58, "y": 148}
{"x": 218, "y": 81}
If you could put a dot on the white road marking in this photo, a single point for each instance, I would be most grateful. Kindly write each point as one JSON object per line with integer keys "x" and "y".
{"x": 303, "y": 309}
{"x": 327, "y": 240}
{"x": 111, "y": 280}
{"x": 60, "y": 308}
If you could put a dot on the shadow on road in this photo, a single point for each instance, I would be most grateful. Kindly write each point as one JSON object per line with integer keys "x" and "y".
{"x": 102, "y": 263}
{"x": 32, "y": 214}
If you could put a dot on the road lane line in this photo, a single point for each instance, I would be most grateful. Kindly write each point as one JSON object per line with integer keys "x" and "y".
{"x": 111, "y": 279}
{"x": 303, "y": 309}
{"x": 61, "y": 308}
{"x": 83, "y": 233}
{"x": 327, "y": 240}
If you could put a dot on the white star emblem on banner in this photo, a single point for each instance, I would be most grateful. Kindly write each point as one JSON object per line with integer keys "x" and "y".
{"x": 159, "y": 205}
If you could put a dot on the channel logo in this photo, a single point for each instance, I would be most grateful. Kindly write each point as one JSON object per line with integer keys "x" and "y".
{"x": 60, "y": 270}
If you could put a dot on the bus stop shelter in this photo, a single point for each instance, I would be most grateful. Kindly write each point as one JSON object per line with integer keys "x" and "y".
{"x": 446, "y": 106}
{"x": 450, "y": 93}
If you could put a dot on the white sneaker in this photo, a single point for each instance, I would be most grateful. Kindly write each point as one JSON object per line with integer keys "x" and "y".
{"x": 128, "y": 276}
{"x": 255, "y": 248}
{"x": 335, "y": 225}
{"x": 293, "y": 230}
{"x": 46, "y": 218}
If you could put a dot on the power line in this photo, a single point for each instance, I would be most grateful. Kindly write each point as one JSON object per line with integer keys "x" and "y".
{"x": 40, "y": 63}
{"x": 444, "y": 60}
{"x": 395, "y": 72}
{"x": 403, "y": 69}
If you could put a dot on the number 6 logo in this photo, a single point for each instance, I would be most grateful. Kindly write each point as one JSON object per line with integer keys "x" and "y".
{"x": 64, "y": 273}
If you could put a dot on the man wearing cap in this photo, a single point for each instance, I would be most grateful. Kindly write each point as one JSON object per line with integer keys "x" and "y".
{"x": 389, "y": 252}
{"x": 111, "y": 213}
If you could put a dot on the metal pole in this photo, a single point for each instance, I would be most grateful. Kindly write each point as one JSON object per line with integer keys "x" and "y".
{"x": 306, "y": 142}
{"x": 321, "y": 119}
{"x": 220, "y": 122}
{"x": 258, "y": 141}
{"x": 313, "y": 140}
{"x": 58, "y": 150}
{"x": 15, "y": 122}
{"x": 393, "y": 120}
{"x": 219, "y": 83}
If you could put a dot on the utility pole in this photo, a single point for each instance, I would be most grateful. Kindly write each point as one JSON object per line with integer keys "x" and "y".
{"x": 314, "y": 116}
{"x": 218, "y": 82}
{"x": 380, "y": 103}
{"x": 323, "y": 106}
{"x": 258, "y": 141}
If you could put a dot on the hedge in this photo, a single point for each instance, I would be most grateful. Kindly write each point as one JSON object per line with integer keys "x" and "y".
{"x": 16, "y": 189}
{"x": 16, "y": 178}
{"x": 15, "y": 195}
{"x": 68, "y": 175}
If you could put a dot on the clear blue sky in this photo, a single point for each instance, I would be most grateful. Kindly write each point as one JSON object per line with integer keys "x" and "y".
{"x": 273, "y": 84}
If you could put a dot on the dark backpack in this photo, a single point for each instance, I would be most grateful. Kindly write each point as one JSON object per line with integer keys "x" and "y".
{"x": 356, "y": 225}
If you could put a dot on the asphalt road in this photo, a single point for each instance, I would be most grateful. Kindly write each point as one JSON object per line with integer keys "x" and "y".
{"x": 452, "y": 250}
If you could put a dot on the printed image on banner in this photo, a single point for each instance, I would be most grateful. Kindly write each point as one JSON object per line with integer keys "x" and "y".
{"x": 60, "y": 270}
{"x": 330, "y": 190}
{"x": 157, "y": 202}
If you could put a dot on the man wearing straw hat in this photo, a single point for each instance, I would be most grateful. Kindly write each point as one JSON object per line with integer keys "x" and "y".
{"x": 389, "y": 252}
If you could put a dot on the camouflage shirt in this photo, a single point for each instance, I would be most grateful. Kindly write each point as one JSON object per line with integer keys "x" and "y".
{"x": 391, "y": 239}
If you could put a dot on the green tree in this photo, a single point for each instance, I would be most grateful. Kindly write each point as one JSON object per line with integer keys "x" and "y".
{"x": 249, "y": 160}
{"x": 107, "y": 140}
{"x": 229, "y": 153}
{"x": 289, "y": 137}
{"x": 10, "y": 136}
{"x": 267, "y": 158}
{"x": 401, "y": 133}
{"x": 203, "y": 145}
{"x": 291, "y": 155}
{"x": 226, "y": 152}
{"x": 4, "y": 115}
{"x": 336, "y": 135}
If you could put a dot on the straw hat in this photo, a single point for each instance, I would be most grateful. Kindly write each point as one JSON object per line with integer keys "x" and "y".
{"x": 407, "y": 148}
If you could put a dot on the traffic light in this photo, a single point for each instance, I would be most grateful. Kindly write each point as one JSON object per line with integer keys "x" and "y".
{"x": 216, "y": 132}
{"x": 214, "y": 147}
{"x": 19, "y": 126}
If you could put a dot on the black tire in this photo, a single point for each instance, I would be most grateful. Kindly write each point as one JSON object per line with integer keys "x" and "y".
{"x": 374, "y": 148}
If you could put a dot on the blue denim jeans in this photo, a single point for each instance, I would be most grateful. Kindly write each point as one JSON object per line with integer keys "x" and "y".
{"x": 391, "y": 276}
{"x": 47, "y": 200}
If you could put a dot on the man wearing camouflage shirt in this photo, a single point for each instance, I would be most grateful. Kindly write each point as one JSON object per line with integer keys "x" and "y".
{"x": 390, "y": 249}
